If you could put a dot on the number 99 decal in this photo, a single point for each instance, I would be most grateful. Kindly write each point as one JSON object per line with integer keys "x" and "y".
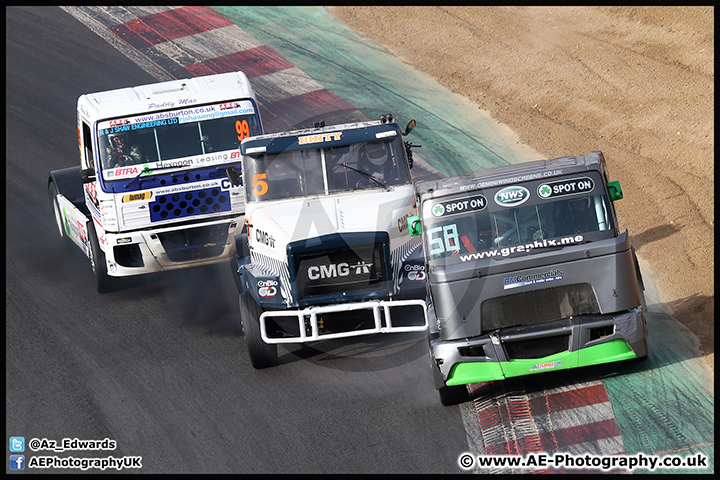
{"x": 243, "y": 129}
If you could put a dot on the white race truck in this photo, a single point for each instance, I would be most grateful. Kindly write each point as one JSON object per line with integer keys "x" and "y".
{"x": 326, "y": 252}
{"x": 151, "y": 191}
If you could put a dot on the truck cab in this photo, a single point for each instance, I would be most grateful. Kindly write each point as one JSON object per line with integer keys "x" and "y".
{"x": 528, "y": 272}
{"x": 151, "y": 192}
{"x": 326, "y": 251}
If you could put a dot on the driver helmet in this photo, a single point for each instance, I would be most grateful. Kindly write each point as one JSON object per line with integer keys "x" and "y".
{"x": 376, "y": 153}
{"x": 118, "y": 140}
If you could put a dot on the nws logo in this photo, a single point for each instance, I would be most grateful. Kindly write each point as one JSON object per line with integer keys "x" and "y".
{"x": 512, "y": 196}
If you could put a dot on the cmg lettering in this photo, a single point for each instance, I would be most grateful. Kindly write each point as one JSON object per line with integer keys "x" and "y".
{"x": 264, "y": 237}
{"x": 316, "y": 272}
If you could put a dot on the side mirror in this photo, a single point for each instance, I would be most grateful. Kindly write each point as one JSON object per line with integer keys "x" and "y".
{"x": 409, "y": 127}
{"x": 414, "y": 226}
{"x": 234, "y": 176}
{"x": 614, "y": 190}
{"x": 87, "y": 175}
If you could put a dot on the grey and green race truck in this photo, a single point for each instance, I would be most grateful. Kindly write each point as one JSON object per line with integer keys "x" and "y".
{"x": 528, "y": 272}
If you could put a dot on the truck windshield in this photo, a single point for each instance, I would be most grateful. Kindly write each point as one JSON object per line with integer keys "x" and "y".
{"x": 323, "y": 171}
{"x": 480, "y": 225}
{"x": 177, "y": 139}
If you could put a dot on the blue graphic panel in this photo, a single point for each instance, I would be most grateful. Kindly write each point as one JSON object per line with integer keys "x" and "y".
{"x": 186, "y": 204}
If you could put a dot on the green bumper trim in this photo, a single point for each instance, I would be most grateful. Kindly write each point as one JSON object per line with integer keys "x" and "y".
{"x": 471, "y": 372}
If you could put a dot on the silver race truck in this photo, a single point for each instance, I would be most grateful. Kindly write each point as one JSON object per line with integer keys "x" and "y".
{"x": 528, "y": 272}
{"x": 151, "y": 191}
{"x": 326, "y": 252}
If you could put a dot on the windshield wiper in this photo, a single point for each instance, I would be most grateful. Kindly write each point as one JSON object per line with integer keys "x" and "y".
{"x": 147, "y": 170}
{"x": 142, "y": 172}
{"x": 368, "y": 176}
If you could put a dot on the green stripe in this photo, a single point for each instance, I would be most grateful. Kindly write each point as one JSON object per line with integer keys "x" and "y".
{"x": 471, "y": 372}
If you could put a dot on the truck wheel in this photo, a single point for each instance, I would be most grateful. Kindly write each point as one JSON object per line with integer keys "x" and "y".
{"x": 52, "y": 193}
{"x": 262, "y": 355}
{"x": 96, "y": 256}
{"x": 453, "y": 395}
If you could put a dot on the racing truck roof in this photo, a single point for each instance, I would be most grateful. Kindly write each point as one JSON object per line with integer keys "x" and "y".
{"x": 514, "y": 173}
{"x": 165, "y": 95}
{"x": 330, "y": 136}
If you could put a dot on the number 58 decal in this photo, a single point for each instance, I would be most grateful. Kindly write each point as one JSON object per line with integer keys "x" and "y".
{"x": 449, "y": 235}
{"x": 261, "y": 186}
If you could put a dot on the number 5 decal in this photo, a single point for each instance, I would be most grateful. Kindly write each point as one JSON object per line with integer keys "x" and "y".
{"x": 261, "y": 186}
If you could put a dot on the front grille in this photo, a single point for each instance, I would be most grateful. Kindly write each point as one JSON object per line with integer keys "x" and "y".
{"x": 195, "y": 243}
{"x": 537, "y": 347}
{"x": 185, "y": 204}
{"x": 341, "y": 270}
{"x": 538, "y": 306}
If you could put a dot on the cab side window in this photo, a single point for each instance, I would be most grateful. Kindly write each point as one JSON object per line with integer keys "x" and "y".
{"x": 86, "y": 158}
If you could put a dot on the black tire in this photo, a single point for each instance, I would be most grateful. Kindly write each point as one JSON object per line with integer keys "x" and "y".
{"x": 52, "y": 193}
{"x": 103, "y": 281}
{"x": 262, "y": 355}
{"x": 453, "y": 395}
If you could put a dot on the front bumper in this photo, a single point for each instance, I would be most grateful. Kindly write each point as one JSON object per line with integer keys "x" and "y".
{"x": 517, "y": 351}
{"x": 309, "y": 324}
{"x": 172, "y": 248}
